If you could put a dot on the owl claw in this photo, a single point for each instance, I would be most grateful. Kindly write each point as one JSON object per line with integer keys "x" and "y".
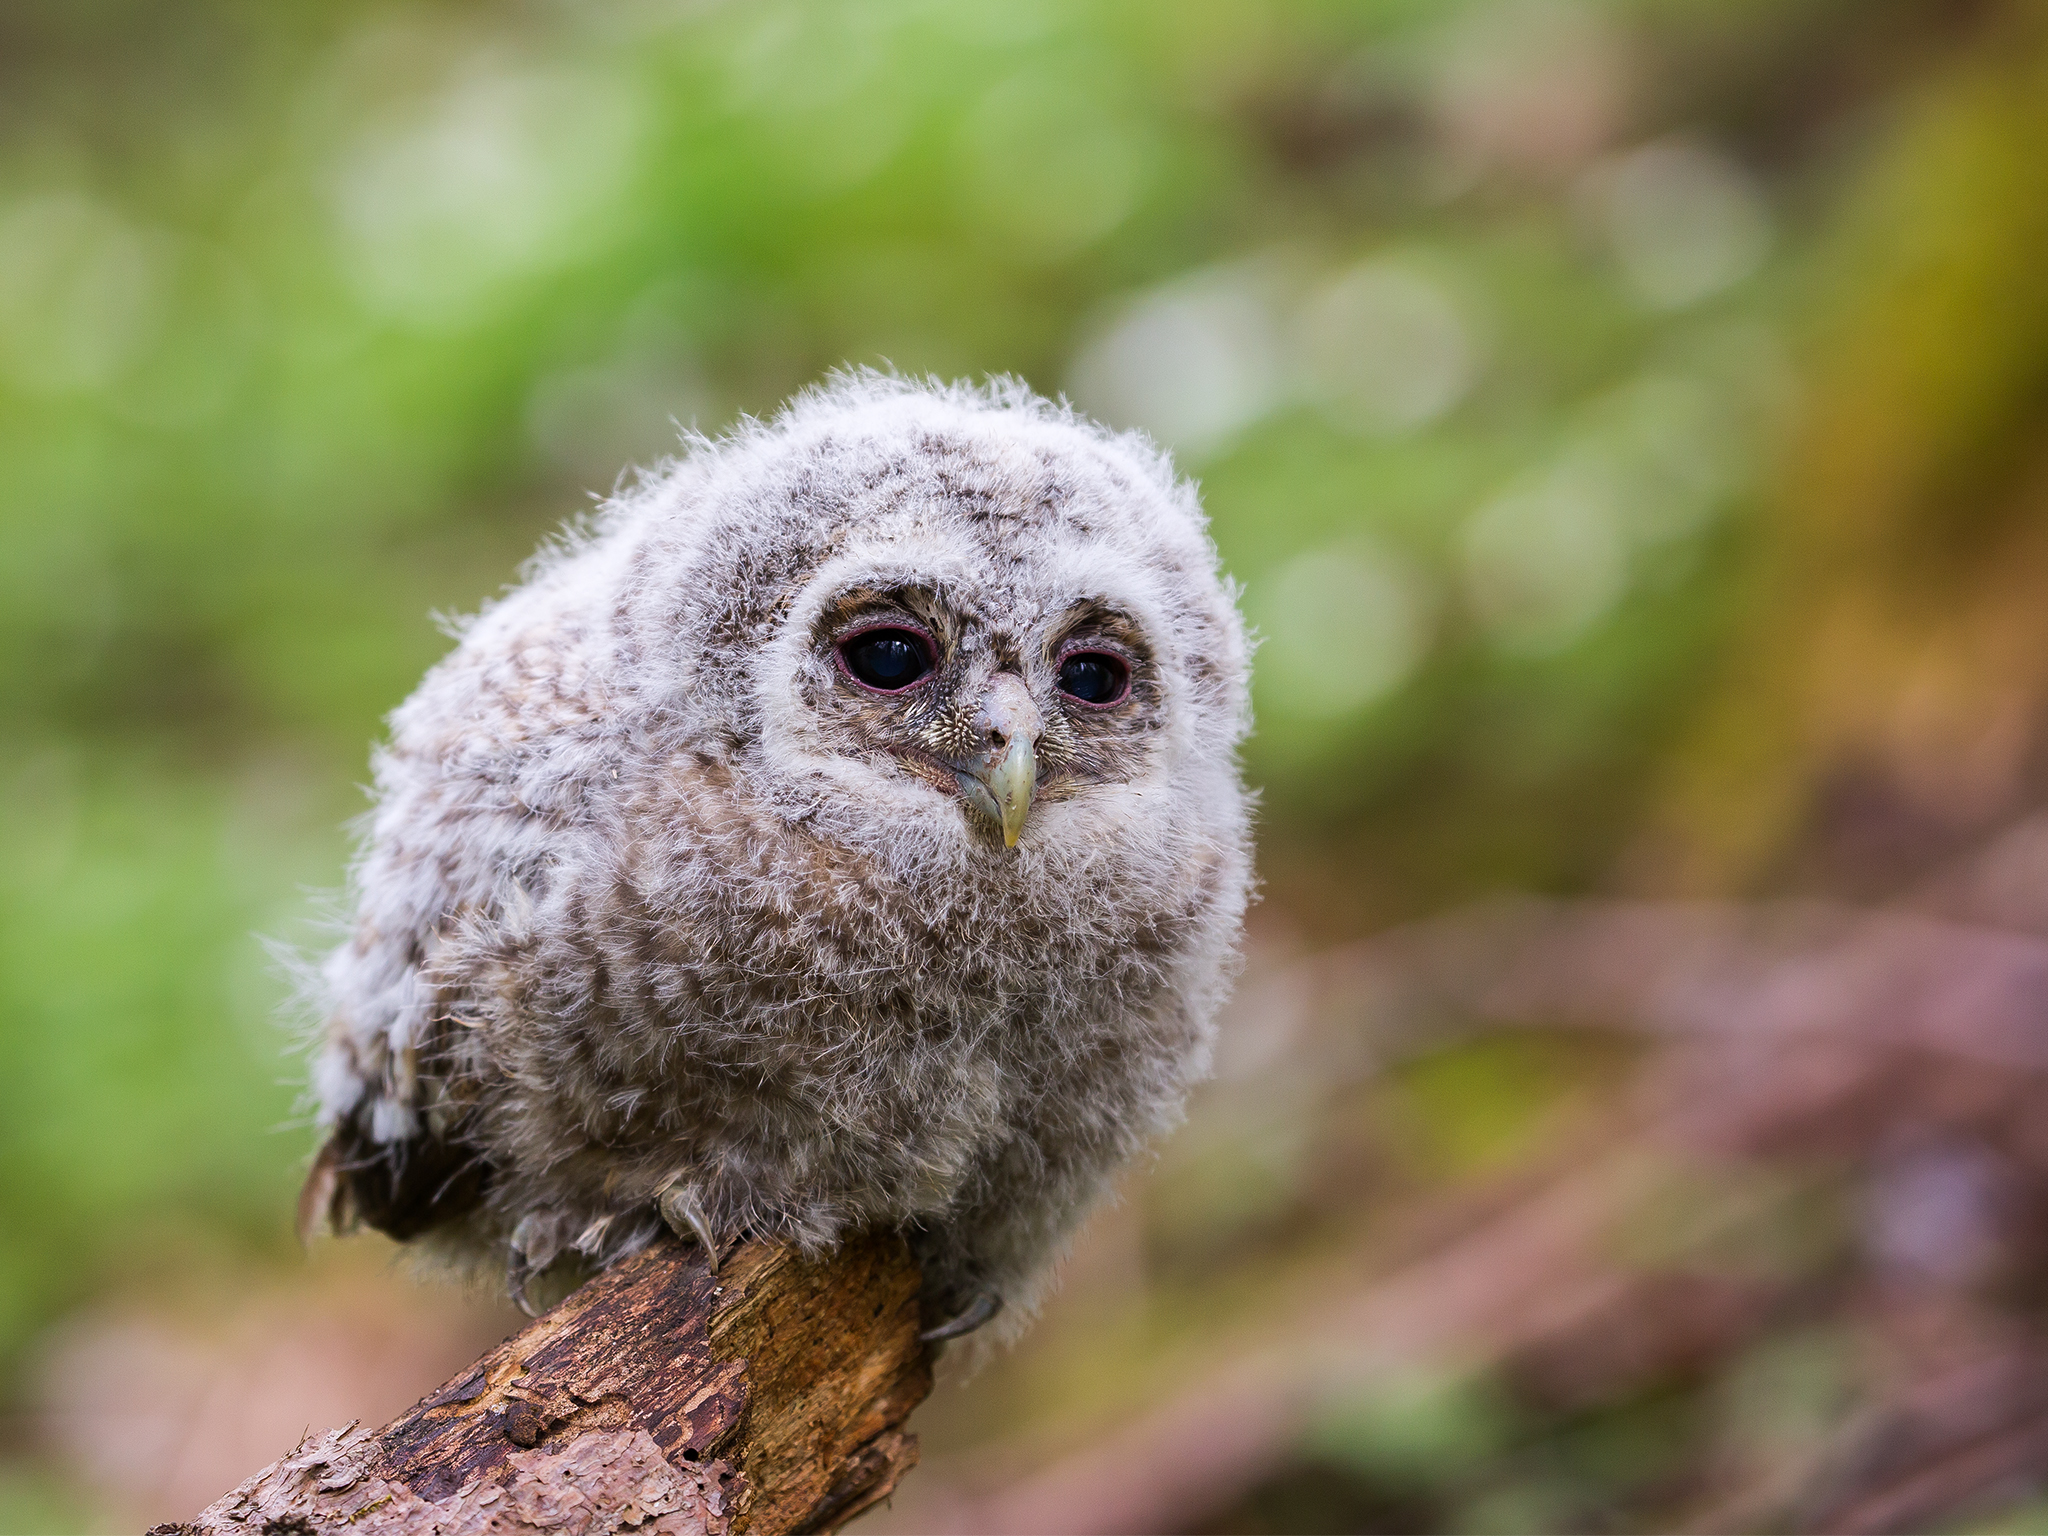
{"x": 516, "y": 1275}
{"x": 535, "y": 1245}
{"x": 684, "y": 1213}
{"x": 985, "y": 1305}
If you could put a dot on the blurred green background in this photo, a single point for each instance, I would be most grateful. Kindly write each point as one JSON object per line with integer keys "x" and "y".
{"x": 1625, "y": 420}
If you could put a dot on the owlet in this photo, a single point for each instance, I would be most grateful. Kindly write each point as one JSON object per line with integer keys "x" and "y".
{"x": 844, "y": 829}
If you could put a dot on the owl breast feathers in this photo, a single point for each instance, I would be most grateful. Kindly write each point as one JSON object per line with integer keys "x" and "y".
{"x": 844, "y": 830}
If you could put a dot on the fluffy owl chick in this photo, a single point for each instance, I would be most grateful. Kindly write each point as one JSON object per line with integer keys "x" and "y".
{"x": 843, "y": 831}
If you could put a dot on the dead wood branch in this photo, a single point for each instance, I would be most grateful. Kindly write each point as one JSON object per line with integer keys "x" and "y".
{"x": 659, "y": 1398}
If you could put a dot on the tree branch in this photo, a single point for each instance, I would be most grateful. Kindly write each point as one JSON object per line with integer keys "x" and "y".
{"x": 659, "y": 1398}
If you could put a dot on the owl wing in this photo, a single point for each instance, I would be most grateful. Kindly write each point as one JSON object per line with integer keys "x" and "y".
{"x": 487, "y": 766}
{"x": 401, "y": 1188}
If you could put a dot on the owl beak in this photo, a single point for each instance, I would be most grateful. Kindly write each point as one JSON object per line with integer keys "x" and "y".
{"x": 1010, "y": 784}
{"x": 1000, "y": 780}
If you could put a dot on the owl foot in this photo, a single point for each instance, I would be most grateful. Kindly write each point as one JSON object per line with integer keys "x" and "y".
{"x": 684, "y": 1213}
{"x": 516, "y": 1276}
{"x": 985, "y": 1306}
{"x": 535, "y": 1243}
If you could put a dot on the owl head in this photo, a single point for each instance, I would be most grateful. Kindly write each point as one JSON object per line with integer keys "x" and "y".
{"x": 931, "y": 623}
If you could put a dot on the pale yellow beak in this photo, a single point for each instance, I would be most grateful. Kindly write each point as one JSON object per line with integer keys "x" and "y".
{"x": 1000, "y": 780}
{"x": 1010, "y": 783}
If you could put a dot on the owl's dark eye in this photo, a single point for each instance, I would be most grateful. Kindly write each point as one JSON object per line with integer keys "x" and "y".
{"x": 888, "y": 659}
{"x": 1094, "y": 677}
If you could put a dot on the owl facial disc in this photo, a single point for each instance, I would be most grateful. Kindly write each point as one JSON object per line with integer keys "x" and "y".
{"x": 999, "y": 780}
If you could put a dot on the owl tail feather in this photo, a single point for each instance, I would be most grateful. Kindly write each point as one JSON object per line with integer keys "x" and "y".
{"x": 401, "y": 1188}
{"x": 320, "y": 1196}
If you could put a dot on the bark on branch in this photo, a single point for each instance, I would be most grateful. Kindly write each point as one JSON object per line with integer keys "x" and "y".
{"x": 659, "y": 1399}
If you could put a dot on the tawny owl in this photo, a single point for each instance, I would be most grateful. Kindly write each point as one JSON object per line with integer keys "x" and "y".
{"x": 843, "y": 830}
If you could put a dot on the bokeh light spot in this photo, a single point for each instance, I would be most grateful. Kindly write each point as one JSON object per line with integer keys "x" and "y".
{"x": 79, "y": 293}
{"x": 1544, "y": 561}
{"x": 1684, "y": 220}
{"x": 1193, "y": 362}
{"x": 1386, "y": 348}
{"x": 1050, "y": 166}
{"x": 513, "y": 169}
{"x": 1343, "y": 626}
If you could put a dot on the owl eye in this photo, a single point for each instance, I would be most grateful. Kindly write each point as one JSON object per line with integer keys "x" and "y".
{"x": 1095, "y": 677}
{"x": 886, "y": 659}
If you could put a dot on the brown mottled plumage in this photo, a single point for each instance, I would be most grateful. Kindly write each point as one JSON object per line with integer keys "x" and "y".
{"x": 662, "y": 909}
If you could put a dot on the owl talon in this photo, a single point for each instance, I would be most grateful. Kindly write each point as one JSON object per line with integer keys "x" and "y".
{"x": 535, "y": 1243}
{"x": 516, "y": 1275}
{"x": 979, "y": 1311}
{"x": 684, "y": 1213}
